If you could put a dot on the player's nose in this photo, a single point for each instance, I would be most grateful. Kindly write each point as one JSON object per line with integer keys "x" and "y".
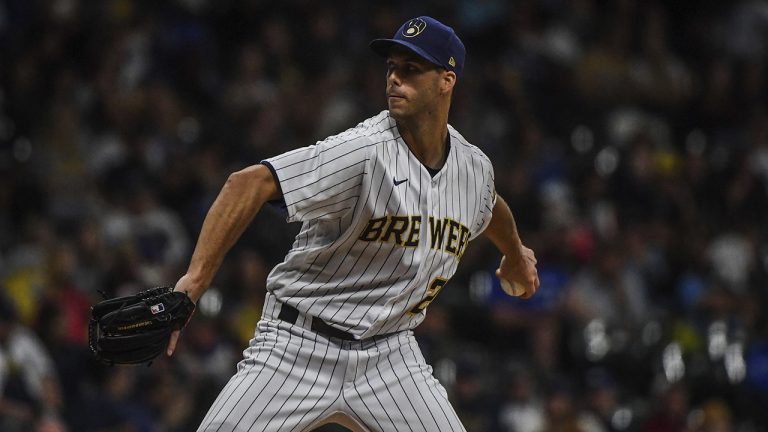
{"x": 392, "y": 78}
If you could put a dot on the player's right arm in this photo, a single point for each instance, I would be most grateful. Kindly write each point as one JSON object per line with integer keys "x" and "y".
{"x": 240, "y": 199}
{"x": 518, "y": 263}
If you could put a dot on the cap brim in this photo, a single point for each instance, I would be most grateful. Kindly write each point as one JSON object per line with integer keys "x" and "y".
{"x": 382, "y": 47}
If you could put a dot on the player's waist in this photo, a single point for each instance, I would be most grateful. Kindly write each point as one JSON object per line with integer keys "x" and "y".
{"x": 275, "y": 309}
{"x": 291, "y": 315}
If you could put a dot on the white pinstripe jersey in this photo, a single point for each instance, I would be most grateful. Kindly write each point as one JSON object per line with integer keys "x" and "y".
{"x": 380, "y": 236}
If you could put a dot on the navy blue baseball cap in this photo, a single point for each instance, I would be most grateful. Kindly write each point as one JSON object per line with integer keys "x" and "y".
{"x": 430, "y": 39}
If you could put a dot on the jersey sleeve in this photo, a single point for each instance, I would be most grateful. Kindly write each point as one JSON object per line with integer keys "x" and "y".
{"x": 321, "y": 181}
{"x": 487, "y": 195}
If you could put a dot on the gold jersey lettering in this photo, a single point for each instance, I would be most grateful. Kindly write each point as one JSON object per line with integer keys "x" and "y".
{"x": 446, "y": 234}
{"x": 437, "y": 231}
{"x": 463, "y": 241}
{"x": 397, "y": 226}
{"x": 412, "y": 240}
{"x": 453, "y": 226}
{"x": 373, "y": 230}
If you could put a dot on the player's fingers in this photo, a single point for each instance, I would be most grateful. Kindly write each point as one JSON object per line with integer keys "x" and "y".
{"x": 528, "y": 252}
{"x": 535, "y": 286}
{"x": 172, "y": 342}
{"x": 528, "y": 293}
{"x": 532, "y": 287}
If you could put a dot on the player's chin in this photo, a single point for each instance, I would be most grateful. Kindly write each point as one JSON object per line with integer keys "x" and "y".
{"x": 397, "y": 107}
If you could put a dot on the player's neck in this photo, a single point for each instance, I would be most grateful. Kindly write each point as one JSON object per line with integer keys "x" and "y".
{"x": 426, "y": 139}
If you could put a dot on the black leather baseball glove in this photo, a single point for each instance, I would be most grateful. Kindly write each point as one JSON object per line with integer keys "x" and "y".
{"x": 136, "y": 329}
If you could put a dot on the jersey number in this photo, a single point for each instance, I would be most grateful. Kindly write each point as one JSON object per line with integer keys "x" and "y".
{"x": 434, "y": 287}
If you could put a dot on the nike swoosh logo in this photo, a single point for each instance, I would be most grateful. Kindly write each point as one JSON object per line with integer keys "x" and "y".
{"x": 399, "y": 182}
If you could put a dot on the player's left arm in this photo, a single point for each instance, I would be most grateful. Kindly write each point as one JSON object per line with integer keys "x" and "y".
{"x": 238, "y": 202}
{"x": 519, "y": 262}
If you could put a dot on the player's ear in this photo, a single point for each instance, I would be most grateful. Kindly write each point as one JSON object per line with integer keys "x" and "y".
{"x": 447, "y": 81}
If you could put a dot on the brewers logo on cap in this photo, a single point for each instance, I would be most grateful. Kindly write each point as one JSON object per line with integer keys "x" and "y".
{"x": 429, "y": 39}
{"x": 414, "y": 27}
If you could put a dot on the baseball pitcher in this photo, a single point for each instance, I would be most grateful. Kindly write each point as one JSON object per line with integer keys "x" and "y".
{"x": 387, "y": 209}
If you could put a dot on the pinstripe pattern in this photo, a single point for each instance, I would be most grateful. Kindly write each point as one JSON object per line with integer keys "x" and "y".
{"x": 335, "y": 187}
{"x": 291, "y": 377}
{"x": 380, "y": 236}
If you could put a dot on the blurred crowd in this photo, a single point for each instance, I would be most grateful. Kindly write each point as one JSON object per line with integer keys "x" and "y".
{"x": 629, "y": 137}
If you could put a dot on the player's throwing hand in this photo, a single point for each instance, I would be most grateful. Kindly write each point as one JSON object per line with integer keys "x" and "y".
{"x": 521, "y": 271}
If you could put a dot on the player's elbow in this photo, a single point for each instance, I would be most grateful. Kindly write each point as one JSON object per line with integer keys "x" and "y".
{"x": 254, "y": 178}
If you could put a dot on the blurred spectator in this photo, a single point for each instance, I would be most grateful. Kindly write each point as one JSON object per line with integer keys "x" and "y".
{"x": 249, "y": 286}
{"x": 612, "y": 293}
{"x": 29, "y": 388}
{"x": 524, "y": 411}
{"x": 562, "y": 411}
{"x": 24, "y": 275}
{"x": 659, "y": 76}
{"x": 603, "y": 411}
{"x": 713, "y": 416}
{"x": 671, "y": 411}
{"x": 471, "y": 399}
{"x": 117, "y": 406}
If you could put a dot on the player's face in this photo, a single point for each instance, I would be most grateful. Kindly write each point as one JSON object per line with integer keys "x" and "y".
{"x": 413, "y": 83}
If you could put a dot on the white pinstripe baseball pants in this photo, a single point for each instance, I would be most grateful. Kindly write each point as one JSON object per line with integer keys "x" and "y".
{"x": 292, "y": 377}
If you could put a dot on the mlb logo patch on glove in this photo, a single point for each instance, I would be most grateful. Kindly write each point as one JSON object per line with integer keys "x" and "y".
{"x": 156, "y": 309}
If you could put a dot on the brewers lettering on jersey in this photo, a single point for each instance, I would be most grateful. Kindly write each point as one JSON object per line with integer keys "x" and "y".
{"x": 387, "y": 210}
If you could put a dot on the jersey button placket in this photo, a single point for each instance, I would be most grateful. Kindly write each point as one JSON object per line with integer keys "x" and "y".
{"x": 423, "y": 247}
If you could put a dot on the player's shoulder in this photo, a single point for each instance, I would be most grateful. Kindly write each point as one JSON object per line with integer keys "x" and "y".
{"x": 467, "y": 149}
{"x": 377, "y": 129}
